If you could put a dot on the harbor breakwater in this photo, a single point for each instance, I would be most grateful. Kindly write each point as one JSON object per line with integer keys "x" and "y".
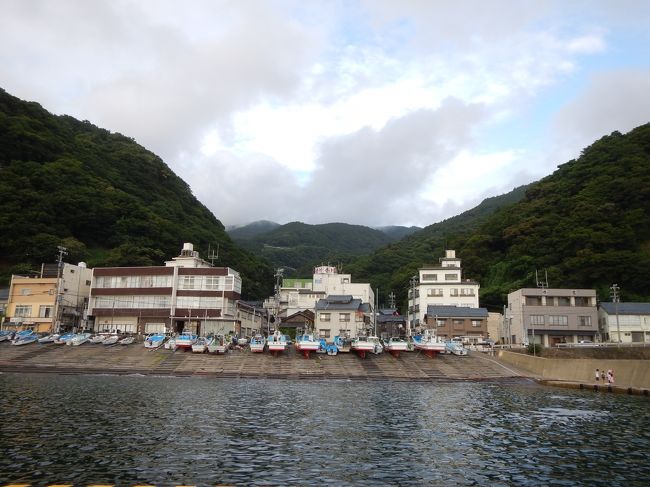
{"x": 135, "y": 359}
{"x": 630, "y": 373}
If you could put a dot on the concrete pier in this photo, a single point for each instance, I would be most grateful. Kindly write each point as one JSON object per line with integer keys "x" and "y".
{"x": 135, "y": 359}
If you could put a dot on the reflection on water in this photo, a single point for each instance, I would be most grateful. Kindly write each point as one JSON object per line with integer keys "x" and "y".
{"x": 165, "y": 431}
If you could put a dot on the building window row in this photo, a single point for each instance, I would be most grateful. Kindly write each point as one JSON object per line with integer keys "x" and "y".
{"x": 138, "y": 302}
{"x": 132, "y": 281}
{"x": 210, "y": 283}
{"x": 579, "y": 301}
{"x": 23, "y": 311}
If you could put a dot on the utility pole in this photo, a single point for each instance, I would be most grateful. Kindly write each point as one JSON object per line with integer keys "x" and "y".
{"x": 616, "y": 298}
{"x": 413, "y": 282}
{"x": 59, "y": 266}
{"x": 391, "y": 300}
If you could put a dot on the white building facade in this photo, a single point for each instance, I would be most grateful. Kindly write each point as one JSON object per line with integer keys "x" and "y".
{"x": 625, "y": 322}
{"x": 441, "y": 285}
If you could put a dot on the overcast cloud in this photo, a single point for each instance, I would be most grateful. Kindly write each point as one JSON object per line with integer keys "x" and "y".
{"x": 373, "y": 112}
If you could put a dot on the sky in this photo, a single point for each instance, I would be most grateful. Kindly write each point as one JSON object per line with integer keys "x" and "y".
{"x": 373, "y": 112}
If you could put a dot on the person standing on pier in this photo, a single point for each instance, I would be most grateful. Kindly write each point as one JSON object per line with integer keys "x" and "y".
{"x": 597, "y": 375}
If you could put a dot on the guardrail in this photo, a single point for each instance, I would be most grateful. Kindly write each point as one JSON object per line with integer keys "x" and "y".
{"x": 519, "y": 346}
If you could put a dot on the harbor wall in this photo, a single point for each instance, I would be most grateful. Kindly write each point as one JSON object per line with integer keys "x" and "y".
{"x": 627, "y": 373}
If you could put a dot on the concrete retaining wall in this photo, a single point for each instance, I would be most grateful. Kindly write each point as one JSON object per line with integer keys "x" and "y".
{"x": 627, "y": 373}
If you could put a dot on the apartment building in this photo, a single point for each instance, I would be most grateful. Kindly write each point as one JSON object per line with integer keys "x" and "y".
{"x": 186, "y": 294}
{"x": 441, "y": 285}
{"x": 551, "y": 316}
{"x": 342, "y": 315}
{"x": 50, "y": 300}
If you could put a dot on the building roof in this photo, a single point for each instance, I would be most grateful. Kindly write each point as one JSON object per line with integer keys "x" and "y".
{"x": 381, "y": 319}
{"x": 627, "y": 308}
{"x": 456, "y": 312}
{"x": 345, "y": 302}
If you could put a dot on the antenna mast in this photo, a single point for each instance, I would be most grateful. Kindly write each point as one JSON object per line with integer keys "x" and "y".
{"x": 542, "y": 284}
{"x": 212, "y": 256}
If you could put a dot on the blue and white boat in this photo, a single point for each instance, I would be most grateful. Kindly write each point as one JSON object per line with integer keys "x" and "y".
{"x": 455, "y": 348}
{"x": 396, "y": 345}
{"x": 154, "y": 340}
{"x": 429, "y": 343}
{"x": 186, "y": 340}
{"x": 6, "y": 335}
{"x": 48, "y": 338}
{"x": 307, "y": 343}
{"x": 257, "y": 344}
{"x": 343, "y": 344}
{"x": 25, "y": 339}
{"x": 220, "y": 344}
{"x": 65, "y": 338}
{"x": 277, "y": 343}
{"x": 201, "y": 344}
{"x": 79, "y": 339}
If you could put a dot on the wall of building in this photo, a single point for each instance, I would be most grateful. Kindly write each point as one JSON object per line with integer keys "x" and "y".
{"x": 633, "y": 328}
{"x": 627, "y": 373}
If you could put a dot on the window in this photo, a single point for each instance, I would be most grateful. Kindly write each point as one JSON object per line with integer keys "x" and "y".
{"x": 584, "y": 320}
{"x": 429, "y": 277}
{"x": 533, "y": 300}
{"x": 467, "y": 292}
{"x": 23, "y": 311}
{"x": 324, "y": 333}
{"x": 325, "y": 317}
{"x": 451, "y": 277}
{"x": 187, "y": 282}
{"x": 458, "y": 323}
{"x": 563, "y": 301}
{"x": 87, "y": 283}
{"x": 558, "y": 320}
{"x": 453, "y": 292}
{"x": 344, "y": 317}
{"x": 536, "y": 319}
{"x": 45, "y": 312}
{"x": 477, "y": 323}
{"x": 582, "y": 301}
{"x": 441, "y": 322}
{"x": 434, "y": 292}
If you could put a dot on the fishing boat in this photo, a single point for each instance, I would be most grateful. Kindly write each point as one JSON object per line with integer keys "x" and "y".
{"x": 65, "y": 338}
{"x": 343, "y": 344}
{"x": 257, "y": 344}
{"x": 396, "y": 345}
{"x": 21, "y": 334}
{"x": 171, "y": 343}
{"x": 97, "y": 339}
{"x": 277, "y": 343}
{"x": 220, "y": 344}
{"x": 25, "y": 339}
{"x": 111, "y": 340}
{"x": 154, "y": 340}
{"x": 242, "y": 342}
{"x": 366, "y": 344}
{"x": 127, "y": 340}
{"x": 306, "y": 344}
{"x": 429, "y": 343}
{"x": 455, "y": 348}
{"x": 201, "y": 344}
{"x": 48, "y": 338}
{"x": 6, "y": 335}
{"x": 185, "y": 341}
{"x": 79, "y": 339}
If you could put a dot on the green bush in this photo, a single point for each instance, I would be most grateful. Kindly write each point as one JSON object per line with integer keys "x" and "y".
{"x": 534, "y": 349}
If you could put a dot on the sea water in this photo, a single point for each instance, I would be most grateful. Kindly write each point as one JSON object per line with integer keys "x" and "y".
{"x": 192, "y": 431}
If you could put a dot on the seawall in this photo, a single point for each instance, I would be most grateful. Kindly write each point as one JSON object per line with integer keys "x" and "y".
{"x": 627, "y": 373}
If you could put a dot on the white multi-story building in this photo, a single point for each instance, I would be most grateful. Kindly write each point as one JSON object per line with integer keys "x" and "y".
{"x": 329, "y": 281}
{"x": 341, "y": 315}
{"x": 631, "y": 319}
{"x": 441, "y": 285}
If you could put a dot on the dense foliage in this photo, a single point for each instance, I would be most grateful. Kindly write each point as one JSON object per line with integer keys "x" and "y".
{"x": 298, "y": 247}
{"x": 104, "y": 197}
{"x": 587, "y": 225}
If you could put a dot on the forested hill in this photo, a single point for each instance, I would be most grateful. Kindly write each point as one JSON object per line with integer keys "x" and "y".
{"x": 107, "y": 199}
{"x": 587, "y": 224}
{"x": 298, "y": 247}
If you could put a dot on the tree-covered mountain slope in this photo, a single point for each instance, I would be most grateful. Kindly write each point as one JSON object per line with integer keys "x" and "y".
{"x": 587, "y": 225}
{"x": 104, "y": 197}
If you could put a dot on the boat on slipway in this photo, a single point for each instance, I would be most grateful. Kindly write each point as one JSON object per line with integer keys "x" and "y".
{"x": 306, "y": 344}
{"x": 6, "y": 335}
{"x": 154, "y": 340}
{"x": 257, "y": 344}
{"x": 97, "y": 339}
{"x": 277, "y": 343}
{"x": 25, "y": 339}
{"x": 65, "y": 338}
{"x": 184, "y": 341}
{"x": 48, "y": 338}
{"x": 455, "y": 348}
{"x": 111, "y": 340}
{"x": 429, "y": 343}
{"x": 396, "y": 345}
{"x": 127, "y": 340}
{"x": 219, "y": 345}
{"x": 343, "y": 344}
{"x": 201, "y": 344}
{"x": 367, "y": 344}
{"x": 79, "y": 339}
